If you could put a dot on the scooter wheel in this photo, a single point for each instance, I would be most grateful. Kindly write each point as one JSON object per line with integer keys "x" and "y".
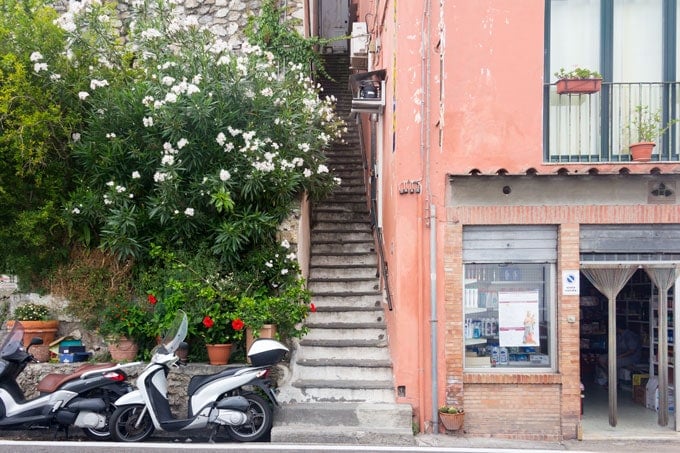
{"x": 259, "y": 423}
{"x": 131, "y": 424}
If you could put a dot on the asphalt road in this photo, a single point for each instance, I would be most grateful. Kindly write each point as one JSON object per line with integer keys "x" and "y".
{"x": 426, "y": 444}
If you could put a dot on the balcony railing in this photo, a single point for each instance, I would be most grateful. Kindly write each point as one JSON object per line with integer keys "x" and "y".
{"x": 581, "y": 128}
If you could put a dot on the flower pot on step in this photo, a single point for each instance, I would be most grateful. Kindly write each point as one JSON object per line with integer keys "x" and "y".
{"x": 218, "y": 354}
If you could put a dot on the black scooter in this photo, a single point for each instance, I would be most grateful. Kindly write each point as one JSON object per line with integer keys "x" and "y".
{"x": 83, "y": 399}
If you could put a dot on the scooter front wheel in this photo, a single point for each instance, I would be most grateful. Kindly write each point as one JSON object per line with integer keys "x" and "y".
{"x": 131, "y": 424}
{"x": 259, "y": 422}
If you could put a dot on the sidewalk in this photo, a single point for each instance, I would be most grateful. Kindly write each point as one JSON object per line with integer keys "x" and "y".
{"x": 624, "y": 443}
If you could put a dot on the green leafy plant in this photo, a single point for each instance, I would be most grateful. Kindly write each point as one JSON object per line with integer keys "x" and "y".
{"x": 645, "y": 125}
{"x": 125, "y": 318}
{"x": 577, "y": 73}
{"x": 451, "y": 409}
{"x": 32, "y": 312}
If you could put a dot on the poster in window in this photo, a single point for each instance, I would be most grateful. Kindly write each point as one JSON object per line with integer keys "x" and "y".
{"x": 518, "y": 318}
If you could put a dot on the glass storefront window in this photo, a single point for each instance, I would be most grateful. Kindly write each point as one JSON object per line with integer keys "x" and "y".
{"x": 508, "y": 319}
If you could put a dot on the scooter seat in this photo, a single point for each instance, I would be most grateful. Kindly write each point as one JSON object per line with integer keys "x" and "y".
{"x": 197, "y": 381}
{"x": 53, "y": 381}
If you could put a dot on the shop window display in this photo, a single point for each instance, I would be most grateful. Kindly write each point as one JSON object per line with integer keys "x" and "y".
{"x": 508, "y": 316}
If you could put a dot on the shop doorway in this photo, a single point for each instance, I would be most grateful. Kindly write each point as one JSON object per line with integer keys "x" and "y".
{"x": 637, "y": 401}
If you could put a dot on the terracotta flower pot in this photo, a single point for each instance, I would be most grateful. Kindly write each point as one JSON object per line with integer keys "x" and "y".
{"x": 218, "y": 354}
{"x": 47, "y": 330}
{"x": 641, "y": 152}
{"x": 266, "y": 331}
{"x": 578, "y": 86}
{"x": 452, "y": 422}
{"x": 123, "y": 350}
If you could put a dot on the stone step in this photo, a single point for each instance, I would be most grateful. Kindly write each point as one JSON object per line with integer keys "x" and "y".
{"x": 353, "y": 205}
{"x": 348, "y": 259}
{"x": 349, "y": 247}
{"x": 354, "y": 302}
{"x": 352, "y": 226}
{"x": 346, "y": 334}
{"x": 346, "y": 319}
{"x": 343, "y": 272}
{"x": 346, "y": 391}
{"x": 345, "y": 237}
{"x": 358, "y": 285}
{"x": 357, "y": 371}
{"x": 339, "y": 423}
{"x": 329, "y": 353}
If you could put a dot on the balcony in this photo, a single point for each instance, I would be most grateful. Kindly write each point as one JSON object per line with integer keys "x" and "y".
{"x": 592, "y": 128}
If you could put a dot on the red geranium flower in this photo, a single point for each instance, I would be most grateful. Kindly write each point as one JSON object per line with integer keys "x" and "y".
{"x": 152, "y": 299}
{"x": 208, "y": 322}
{"x": 237, "y": 324}
{"x": 312, "y": 308}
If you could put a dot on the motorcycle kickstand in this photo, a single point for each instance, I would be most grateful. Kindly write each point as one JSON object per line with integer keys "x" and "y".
{"x": 60, "y": 428}
{"x": 213, "y": 433}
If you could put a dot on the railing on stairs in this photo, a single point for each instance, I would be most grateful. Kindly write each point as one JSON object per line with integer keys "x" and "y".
{"x": 369, "y": 170}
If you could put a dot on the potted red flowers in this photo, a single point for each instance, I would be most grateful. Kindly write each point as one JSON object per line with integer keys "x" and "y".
{"x": 219, "y": 329}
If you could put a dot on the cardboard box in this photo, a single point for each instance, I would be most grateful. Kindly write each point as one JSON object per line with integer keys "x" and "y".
{"x": 476, "y": 362}
{"x": 640, "y": 379}
{"x": 639, "y": 394}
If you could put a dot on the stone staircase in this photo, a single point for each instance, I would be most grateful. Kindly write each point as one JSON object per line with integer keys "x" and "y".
{"x": 341, "y": 387}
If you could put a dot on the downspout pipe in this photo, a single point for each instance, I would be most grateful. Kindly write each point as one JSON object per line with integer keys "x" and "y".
{"x": 425, "y": 154}
{"x": 433, "y": 319}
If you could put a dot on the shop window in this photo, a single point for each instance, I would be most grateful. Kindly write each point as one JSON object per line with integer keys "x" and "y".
{"x": 509, "y": 316}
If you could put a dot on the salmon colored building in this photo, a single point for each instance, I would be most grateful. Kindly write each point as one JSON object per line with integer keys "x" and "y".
{"x": 517, "y": 228}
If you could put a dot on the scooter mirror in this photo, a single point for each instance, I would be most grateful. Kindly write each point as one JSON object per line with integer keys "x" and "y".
{"x": 36, "y": 341}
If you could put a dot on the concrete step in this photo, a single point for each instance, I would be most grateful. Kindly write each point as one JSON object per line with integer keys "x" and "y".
{"x": 345, "y": 334}
{"x": 345, "y": 247}
{"x": 321, "y": 236}
{"x": 353, "y": 302}
{"x": 339, "y": 213}
{"x": 344, "y": 391}
{"x": 322, "y": 226}
{"x": 343, "y": 272}
{"x": 325, "y": 286}
{"x": 349, "y": 259}
{"x": 328, "y": 353}
{"x": 344, "y": 423}
{"x": 347, "y": 319}
{"x": 351, "y": 372}
{"x": 349, "y": 204}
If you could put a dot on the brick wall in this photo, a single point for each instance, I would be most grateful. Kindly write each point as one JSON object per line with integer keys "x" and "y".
{"x": 536, "y": 406}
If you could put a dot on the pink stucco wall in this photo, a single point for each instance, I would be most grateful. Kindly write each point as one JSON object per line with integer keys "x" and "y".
{"x": 482, "y": 68}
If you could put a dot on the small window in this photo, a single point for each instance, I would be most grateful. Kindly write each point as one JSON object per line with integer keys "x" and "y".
{"x": 508, "y": 316}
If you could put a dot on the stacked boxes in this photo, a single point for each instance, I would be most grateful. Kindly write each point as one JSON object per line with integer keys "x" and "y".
{"x": 72, "y": 351}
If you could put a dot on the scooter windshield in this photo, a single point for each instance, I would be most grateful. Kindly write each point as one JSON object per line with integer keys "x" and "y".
{"x": 13, "y": 341}
{"x": 174, "y": 336}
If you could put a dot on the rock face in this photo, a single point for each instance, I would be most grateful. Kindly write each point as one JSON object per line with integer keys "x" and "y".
{"x": 226, "y": 18}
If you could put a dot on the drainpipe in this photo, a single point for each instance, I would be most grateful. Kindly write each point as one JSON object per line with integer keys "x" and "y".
{"x": 425, "y": 154}
{"x": 433, "y": 311}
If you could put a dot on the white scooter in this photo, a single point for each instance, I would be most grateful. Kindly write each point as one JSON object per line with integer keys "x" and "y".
{"x": 82, "y": 399}
{"x": 233, "y": 398}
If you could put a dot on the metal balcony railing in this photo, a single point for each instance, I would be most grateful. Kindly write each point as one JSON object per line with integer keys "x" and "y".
{"x": 582, "y": 128}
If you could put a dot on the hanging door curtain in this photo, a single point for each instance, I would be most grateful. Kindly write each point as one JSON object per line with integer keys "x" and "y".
{"x": 609, "y": 281}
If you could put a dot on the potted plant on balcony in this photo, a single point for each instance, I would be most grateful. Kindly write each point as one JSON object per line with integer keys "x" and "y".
{"x": 578, "y": 81}
{"x": 644, "y": 128}
{"x": 452, "y": 417}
